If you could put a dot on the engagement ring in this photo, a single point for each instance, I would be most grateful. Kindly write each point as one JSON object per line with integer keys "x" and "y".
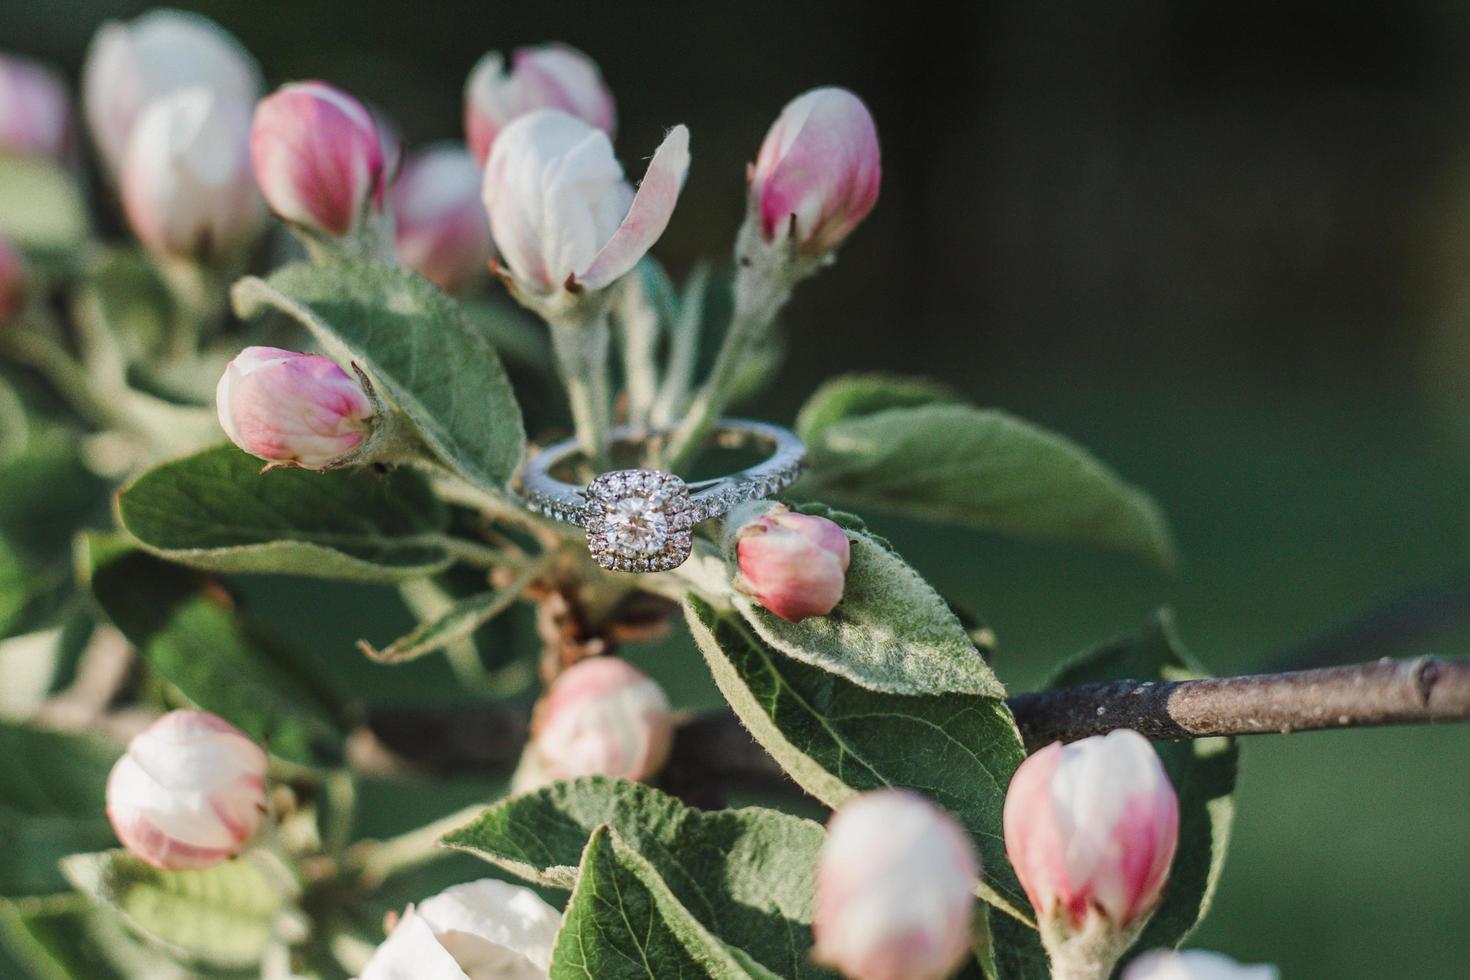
{"x": 642, "y": 520}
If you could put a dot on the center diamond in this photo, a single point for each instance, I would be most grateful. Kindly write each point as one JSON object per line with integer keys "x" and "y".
{"x": 638, "y": 521}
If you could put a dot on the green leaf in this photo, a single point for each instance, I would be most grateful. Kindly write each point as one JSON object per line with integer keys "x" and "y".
{"x": 746, "y": 875}
{"x": 90, "y": 944}
{"x": 41, "y": 208}
{"x": 891, "y": 632}
{"x": 1203, "y": 772}
{"x": 836, "y": 739}
{"x": 223, "y": 916}
{"x": 51, "y": 805}
{"x": 215, "y": 510}
{"x": 1017, "y": 949}
{"x": 853, "y": 395}
{"x": 901, "y": 451}
{"x": 459, "y": 621}
{"x": 418, "y": 348}
{"x": 188, "y": 629}
{"x": 624, "y": 922}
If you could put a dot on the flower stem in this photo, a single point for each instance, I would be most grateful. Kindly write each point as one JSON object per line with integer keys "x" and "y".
{"x": 376, "y": 861}
{"x": 581, "y": 355}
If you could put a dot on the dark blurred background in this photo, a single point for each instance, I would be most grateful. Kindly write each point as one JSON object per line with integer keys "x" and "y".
{"x": 1223, "y": 245}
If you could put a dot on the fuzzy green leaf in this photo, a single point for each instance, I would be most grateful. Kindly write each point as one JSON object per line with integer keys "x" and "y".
{"x": 855, "y": 395}
{"x": 891, "y": 632}
{"x": 746, "y": 874}
{"x": 216, "y": 510}
{"x": 420, "y": 351}
{"x": 900, "y": 450}
{"x": 225, "y": 916}
{"x": 1203, "y": 772}
{"x": 624, "y": 922}
{"x": 188, "y": 630}
{"x": 41, "y": 208}
{"x": 837, "y": 739}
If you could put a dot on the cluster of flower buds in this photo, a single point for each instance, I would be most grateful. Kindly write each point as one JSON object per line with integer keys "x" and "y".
{"x": 601, "y": 717}
{"x": 795, "y": 565}
{"x": 293, "y": 409}
{"x": 320, "y": 162}
{"x": 189, "y": 792}
{"x": 168, "y": 99}
{"x": 895, "y": 890}
{"x": 564, "y": 218}
{"x": 550, "y": 76}
{"x": 35, "y": 111}
{"x": 438, "y": 222}
{"x": 1091, "y": 829}
{"x": 1194, "y": 964}
{"x": 12, "y": 282}
{"x": 484, "y": 928}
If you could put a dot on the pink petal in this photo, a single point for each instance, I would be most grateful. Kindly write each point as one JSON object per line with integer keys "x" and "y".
{"x": 647, "y": 217}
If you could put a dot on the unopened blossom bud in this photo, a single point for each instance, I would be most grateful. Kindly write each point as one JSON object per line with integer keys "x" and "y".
{"x": 439, "y": 223}
{"x": 318, "y": 157}
{"x": 548, "y": 76}
{"x": 1195, "y": 964}
{"x": 131, "y": 64}
{"x": 292, "y": 409}
{"x": 895, "y": 889}
{"x": 35, "y": 111}
{"x": 189, "y": 792}
{"x": 12, "y": 282}
{"x": 563, "y": 216}
{"x": 795, "y": 565}
{"x": 186, "y": 183}
{"x": 817, "y": 173}
{"x": 602, "y": 717}
{"x": 1091, "y": 829}
{"x": 481, "y": 930}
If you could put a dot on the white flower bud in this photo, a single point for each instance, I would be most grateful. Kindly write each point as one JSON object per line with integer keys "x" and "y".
{"x": 189, "y": 792}
{"x": 482, "y": 930}
{"x": 895, "y": 889}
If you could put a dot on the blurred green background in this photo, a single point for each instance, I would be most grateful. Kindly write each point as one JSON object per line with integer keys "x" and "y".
{"x": 1224, "y": 246}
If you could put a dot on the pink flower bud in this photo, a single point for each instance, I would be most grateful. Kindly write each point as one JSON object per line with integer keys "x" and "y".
{"x": 895, "y": 889}
{"x": 186, "y": 182}
{"x": 292, "y": 409}
{"x": 12, "y": 282}
{"x": 440, "y": 224}
{"x": 189, "y": 793}
{"x": 131, "y": 64}
{"x": 551, "y": 76}
{"x": 793, "y": 564}
{"x": 1194, "y": 964}
{"x": 318, "y": 157}
{"x": 1091, "y": 828}
{"x": 561, "y": 212}
{"x": 35, "y": 111}
{"x": 817, "y": 173}
{"x": 602, "y": 717}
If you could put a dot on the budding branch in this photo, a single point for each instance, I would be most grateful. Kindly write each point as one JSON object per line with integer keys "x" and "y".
{"x": 712, "y": 750}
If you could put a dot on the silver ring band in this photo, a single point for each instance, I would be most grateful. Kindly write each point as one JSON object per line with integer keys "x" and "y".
{"x": 639, "y": 520}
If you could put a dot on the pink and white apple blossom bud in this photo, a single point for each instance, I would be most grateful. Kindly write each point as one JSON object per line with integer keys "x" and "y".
{"x": 35, "y": 110}
{"x": 131, "y": 64}
{"x": 482, "y": 929}
{"x": 548, "y": 76}
{"x": 186, "y": 183}
{"x": 563, "y": 216}
{"x": 13, "y": 278}
{"x": 602, "y": 717}
{"x": 817, "y": 173}
{"x": 1195, "y": 964}
{"x": 292, "y": 409}
{"x": 795, "y": 565}
{"x": 318, "y": 158}
{"x": 439, "y": 223}
{"x": 189, "y": 792}
{"x": 1091, "y": 829}
{"x": 895, "y": 889}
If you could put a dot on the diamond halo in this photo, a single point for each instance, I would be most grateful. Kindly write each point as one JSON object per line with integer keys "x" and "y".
{"x": 639, "y": 521}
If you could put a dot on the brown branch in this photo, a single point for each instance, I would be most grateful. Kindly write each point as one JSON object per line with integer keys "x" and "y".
{"x": 712, "y": 751}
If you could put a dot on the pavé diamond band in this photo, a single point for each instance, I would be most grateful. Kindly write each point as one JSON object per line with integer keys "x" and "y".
{"x": 642, "y": 520}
